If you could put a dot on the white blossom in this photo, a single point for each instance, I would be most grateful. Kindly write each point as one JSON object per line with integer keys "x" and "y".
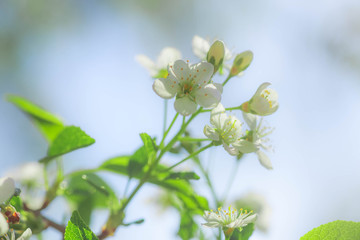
{"x": 7, "y": 189}
{"x": 191, "y": 85}
{"x": 25, "y": 236}
{"x": 228, "y": 219}
{"x": 226, "y": 129}
{"x": 256, "y": 139}
{"x": 264, "y": 102}
{"x": 4, "y": 226}
{"x": 158, "y": 69}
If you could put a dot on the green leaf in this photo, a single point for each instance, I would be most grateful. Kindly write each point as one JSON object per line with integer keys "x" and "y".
{"x": 68, "y": 140}
{"x": 245, "y": 233}
{"x": 335, "y": 231}
{"x": 137, "y": 162}
{"x": 183, "y": 188}
{"x": 88, "y": 192}
{"x": 16, "y": 203}
{"x": 188, "y": 226}
{"x": 149, "y": 147}
{"x": 77, "y": 229}
{"x": 48, "y": 124}
{"x": 183, "y": 175}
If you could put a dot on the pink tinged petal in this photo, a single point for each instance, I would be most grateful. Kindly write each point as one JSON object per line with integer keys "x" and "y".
{"x": 148, "y": 64}
{"x": 185, "y": 106}
{"x": 4, "y": 226}
{"x": 208, "y": 96}
{"x": 200, "y": 47}
{"x": 165, "y": 87}
{"x": 179, "y": 70}
{"x": 245, "y": 146}
{"x": 7, "y": 189}
{"x": 250, "y": 119}
{"x": 264, "y": 160}
{"x": 202, "y": 72}
{"x": 230, "y": 149}
{"x": 211, "y": 133}
{"x": 218, "y": 116}
{"x": 168, "y": 55}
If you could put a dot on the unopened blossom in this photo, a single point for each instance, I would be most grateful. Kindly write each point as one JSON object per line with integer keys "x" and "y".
{"x": 226, "y": 129}
{"x": 256, "y": 139}
{"x": 4, "y": 226}
{"x": 201, "y": 48}
{"x": 7, "y": 189}
{"x": 264, "y": 102}
{"x": 158, "y": 69}
{"x": 191, "y": 86}
{"x": 229, "y": 219}
{"x": 25, "y": 236}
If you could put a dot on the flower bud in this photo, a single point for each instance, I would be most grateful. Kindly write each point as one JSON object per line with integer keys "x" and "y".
{"x": 216, "y": 54}
{"x": 241, "y": 62}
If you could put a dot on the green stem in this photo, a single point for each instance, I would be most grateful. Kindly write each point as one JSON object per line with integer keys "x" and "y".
{"x": 190, "y": 156}
{"x": 165, "y": 115}
{"x": 227, "y": 109}
{"x": 168, "y": 130}
{"x": 190, "y": 139}
{"x": 60, "y": 169}
{"x": 46, "y": 179}
{"x": 227, "y": 79}
{"x": 231, "y": 180}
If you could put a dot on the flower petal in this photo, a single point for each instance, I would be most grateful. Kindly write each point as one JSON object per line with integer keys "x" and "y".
{"x": 230, "y": 149}
{"x": 4, "y": 226}
{"x": 168, "y": 55}
{"x": 250, "y": 119}
{"x": 250, "y": 219}
{"x": 218, "y": 116}
{"x": 245, "y": 146}
{"x": 219, "y": 87}
{"x": 202, "y": 72}
{"x": 200, "y": 47}
{"x": 26, "y": 235}
{"x": 180, "y": 70}
{"x": 165, "y": 88}
{"x": 262, "y": 87}
{"x": 7, "y": 188}
{"x": 208, "y": 96}
{"x": 264, "y": 159}
{"x": 260, "y": 106}
{"x": 185, "y": 106}
{"x": 211, "y": 133}
{"x": 148, "y": 64}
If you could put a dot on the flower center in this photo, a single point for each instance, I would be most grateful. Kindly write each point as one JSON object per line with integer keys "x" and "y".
{"x": 266, "y": 94}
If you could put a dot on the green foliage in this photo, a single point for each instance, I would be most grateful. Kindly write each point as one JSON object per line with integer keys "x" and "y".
{"x": 188, "y": 226}
{"x": 77, "y": 229}
{"x": 245, "y": 233}
{"x": 88, "y": 192}
{"x": 183, "y": 175}
{"x": 48, "y": 124}
{"x": 150, "y": 147}
{"x": 68, "y": 140}
{"x": 16, "y": 203}
{"x": 344, "y": 230}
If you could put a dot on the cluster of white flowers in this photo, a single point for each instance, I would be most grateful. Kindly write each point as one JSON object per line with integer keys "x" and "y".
{"x": 7, "y": 190}
{"x": 192, "y": 85}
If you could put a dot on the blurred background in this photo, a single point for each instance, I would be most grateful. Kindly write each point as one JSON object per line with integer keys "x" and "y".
{"x": 76, "y": 59}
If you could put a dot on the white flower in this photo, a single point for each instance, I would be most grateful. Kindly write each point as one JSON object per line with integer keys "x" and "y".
{"x": 4, "y": 226}
{"x": 255, "y": 140}
{"x": 228, "y": 219}
{"x": 31, "y": 178}
{"x": 264, "y": 102}
{"x": 227, "y": 129}
{"x": 191, "y": 85}
{"x": 201, "y": 47}
{"x": 7, "y": 189}
{"x": 157, "y": 70}
{"x": 25, "y": 236}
